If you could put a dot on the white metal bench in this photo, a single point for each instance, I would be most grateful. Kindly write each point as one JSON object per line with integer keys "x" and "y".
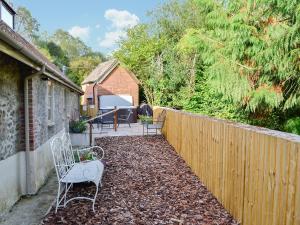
{"x": 69, "y": 171}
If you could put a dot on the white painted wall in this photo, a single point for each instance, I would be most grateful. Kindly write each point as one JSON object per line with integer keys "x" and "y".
{"x": 13, "y": 174}
{"x": 12, "y": 180}
{"x": 115, "y": 100}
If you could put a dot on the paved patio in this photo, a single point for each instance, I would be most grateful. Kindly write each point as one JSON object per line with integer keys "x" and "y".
{"x": 136, "y": 129}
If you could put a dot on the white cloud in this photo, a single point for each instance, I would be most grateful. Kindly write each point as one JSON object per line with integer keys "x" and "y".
{"x": 98, "y": 26}
{"x": 111, "y": 38}
{"x": 80, "y": 32}
{"x": 121, "y": 19}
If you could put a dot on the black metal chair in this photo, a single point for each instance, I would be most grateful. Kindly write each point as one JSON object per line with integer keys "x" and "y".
{"x": 105, "y": 121}
{"x": 155, "y": 124}
{"x": 125, "y": 118}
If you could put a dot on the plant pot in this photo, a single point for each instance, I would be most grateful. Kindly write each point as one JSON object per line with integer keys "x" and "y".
{"x": 80, "y": 139}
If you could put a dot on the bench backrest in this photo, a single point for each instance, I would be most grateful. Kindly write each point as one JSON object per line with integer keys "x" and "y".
{"x": 57, "y": 150}
{"x": 68, "y": 150}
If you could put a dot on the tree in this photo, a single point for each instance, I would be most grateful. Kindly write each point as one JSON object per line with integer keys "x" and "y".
{"x": 83, "y": 66}
{"x": 61, "y": 48}
{"x": 73, "y": 47}
{"x": 138, "y": 53}
{"x": 26, "y": 25}
{"x": 232, "y": 59}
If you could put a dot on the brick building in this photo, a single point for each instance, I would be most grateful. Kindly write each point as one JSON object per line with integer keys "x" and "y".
{"x": 111, "y": 83}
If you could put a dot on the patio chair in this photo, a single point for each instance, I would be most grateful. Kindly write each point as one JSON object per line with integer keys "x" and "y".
{"x": 70, "y": 172}
{"x": 156, "y": 124}
{"x": 105, "y": 121}
{"x": 125, "y": 118}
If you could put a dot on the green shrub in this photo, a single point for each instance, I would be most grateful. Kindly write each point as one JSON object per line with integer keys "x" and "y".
{"x": 145, "y": 119}
{"x": 83, "y": 156}
{"x": 77, "y": 126}
{"x": 293, "y": 125}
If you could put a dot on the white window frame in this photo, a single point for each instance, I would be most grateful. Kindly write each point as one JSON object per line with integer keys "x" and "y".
{"x": 6, "y": 15}
{"x": 50, "y": 103}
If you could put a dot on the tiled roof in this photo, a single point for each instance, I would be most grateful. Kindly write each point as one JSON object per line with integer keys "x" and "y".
{"x": 101, "y": 71}
{"x": 17, "y": 40}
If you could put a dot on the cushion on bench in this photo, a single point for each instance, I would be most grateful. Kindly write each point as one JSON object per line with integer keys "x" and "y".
{"x": 85, "y": 171}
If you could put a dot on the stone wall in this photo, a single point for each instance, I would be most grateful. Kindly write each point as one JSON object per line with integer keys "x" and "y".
{"x": 23, "y": 179}
{"x": 11, "y": 108}
{"x": 66, "y": 107}
{"x": 12, "y": 120}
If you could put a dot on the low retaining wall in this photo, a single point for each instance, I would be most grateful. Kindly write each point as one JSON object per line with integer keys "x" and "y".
{"x": 12, "y": 181}
{"x": 254, "y": 172}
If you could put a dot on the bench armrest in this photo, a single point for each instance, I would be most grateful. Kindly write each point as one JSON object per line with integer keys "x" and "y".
{"x": 90, "y": 150}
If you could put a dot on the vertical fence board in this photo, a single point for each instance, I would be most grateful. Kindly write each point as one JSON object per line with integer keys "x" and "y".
{"x": 297, "y": 192}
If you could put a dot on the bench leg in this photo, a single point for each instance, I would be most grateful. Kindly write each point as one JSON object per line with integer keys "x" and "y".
{"x": 57, "y": 197}
{"x": 66, "y": 192}
{"x": 95, "y": 197}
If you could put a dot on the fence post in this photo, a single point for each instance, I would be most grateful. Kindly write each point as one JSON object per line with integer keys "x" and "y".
{"x": 115, "y": 118}
{"x": 91, "y": 133}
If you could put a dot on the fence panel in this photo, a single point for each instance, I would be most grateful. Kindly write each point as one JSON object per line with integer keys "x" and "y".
{"x": 254, "y": 172}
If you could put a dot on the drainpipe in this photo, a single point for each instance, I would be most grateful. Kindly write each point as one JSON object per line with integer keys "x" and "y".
{"x": 27, "y": 144}
{"x": 94, "y": 100}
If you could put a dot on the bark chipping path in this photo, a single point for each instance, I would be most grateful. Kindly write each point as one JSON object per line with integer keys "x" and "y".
{"x": 145, "y": 182}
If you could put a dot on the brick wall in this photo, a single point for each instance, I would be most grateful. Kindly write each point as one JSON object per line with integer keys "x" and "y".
{"x": 120, "y": 82}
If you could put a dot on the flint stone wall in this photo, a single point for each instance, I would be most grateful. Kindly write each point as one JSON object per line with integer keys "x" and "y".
{"x": 11, "y": 107}
{"x": 12, "y": 119}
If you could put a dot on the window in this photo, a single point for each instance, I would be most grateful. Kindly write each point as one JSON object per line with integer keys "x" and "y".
{"x": 50, "y": 104}
{"x": 7, "y": 15}
{"x": 90, "y": 101}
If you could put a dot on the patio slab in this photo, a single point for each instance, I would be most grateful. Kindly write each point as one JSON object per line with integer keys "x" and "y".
{"x": 136, "y": 129}
{"x": 145, "y": 182}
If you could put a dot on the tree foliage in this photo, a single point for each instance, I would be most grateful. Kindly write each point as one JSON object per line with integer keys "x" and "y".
{"x": 231, "y": 59}
{"x": 26, "y": 24}
{"x": 73, "y": 47}
{"x": 82, "y": 66}
{"x": 61, "y": 48}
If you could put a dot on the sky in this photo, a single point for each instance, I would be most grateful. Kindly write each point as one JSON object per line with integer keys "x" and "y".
{"x": 99, "y": 23}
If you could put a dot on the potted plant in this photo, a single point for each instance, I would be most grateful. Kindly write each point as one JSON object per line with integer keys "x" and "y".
{"x": 78, "y": 135}
{"x": 146, "y": 119}
{"x": 77, "y": 127}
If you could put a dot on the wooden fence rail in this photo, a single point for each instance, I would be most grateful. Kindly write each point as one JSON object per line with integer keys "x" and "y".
{"x": 254, "y": 172}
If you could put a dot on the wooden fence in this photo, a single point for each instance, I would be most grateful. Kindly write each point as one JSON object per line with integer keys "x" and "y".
{"x": 254, "y": 172}
{"x": 91, "y": 112}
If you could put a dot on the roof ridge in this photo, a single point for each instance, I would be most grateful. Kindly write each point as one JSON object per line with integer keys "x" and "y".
{"x": 101, "y": 71}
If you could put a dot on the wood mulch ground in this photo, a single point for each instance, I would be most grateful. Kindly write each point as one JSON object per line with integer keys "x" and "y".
{"x": 145, "y": 182}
